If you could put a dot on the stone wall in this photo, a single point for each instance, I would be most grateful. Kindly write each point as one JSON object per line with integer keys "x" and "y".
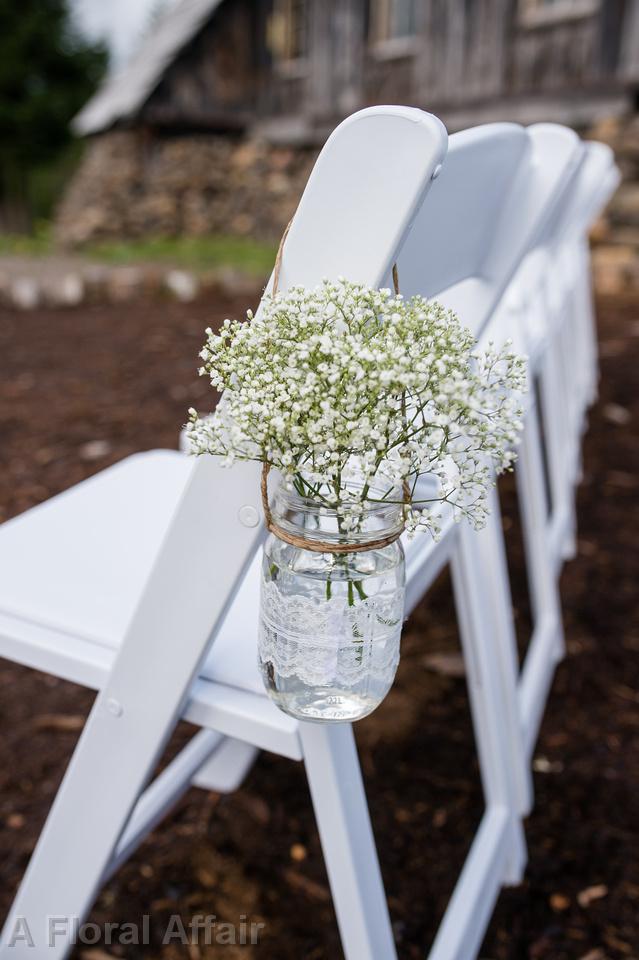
{"x": 131, "y": 184}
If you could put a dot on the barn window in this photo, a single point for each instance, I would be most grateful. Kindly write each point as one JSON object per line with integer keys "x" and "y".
{"x": 288, "y": 30}
{"x": 391, "y": 20}
{"x": 536, "y": 13}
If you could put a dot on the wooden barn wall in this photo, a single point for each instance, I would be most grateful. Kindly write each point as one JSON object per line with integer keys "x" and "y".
{"x": 629, "y": 43}
{"x": 213, "y": 82}
{"x": 465, "y": 52}
{"x": 561, "y": 57}
{"x": 462, "y": 50}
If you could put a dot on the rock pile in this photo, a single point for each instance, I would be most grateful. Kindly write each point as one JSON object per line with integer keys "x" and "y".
{"x": 133, "y": 184}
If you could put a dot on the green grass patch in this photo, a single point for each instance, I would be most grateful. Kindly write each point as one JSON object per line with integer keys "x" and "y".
{"x": 198, "y": 253}
{"x": 36, "y": 244}
{"x": 195, "y": 253}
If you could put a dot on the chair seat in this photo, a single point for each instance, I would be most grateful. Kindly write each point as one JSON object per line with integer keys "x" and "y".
{"x": 73, "y": 569}
{"x": 77, "y": 563}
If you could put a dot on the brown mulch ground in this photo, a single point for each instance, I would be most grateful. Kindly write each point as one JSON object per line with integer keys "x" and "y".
{"x": 80, "y": 389}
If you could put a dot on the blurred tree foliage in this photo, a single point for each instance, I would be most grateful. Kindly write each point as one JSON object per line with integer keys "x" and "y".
{"x": 46, "y": 73}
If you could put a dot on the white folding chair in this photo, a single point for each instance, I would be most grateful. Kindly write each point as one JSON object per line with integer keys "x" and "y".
{"x": 575, "y": 330}
{"x": 559, "y": 334}
{"x": 465, "y": 243}
{"x": 123, "y": 582}
{"x": 499, "y": 188}
{"x": 468, "y": 274}
{"x": 471, "y": 276}
{"x": 557, "y": 154}
{"x": 549, "y": 295}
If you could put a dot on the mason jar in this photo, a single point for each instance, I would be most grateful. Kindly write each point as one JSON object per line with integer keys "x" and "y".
{"x": 330, "y": 623}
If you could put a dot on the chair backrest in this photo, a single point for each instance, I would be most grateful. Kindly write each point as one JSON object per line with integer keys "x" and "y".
{"x": 599, "y": 179}
{"x": 362, "y": 196}
{"x": 484, "y": 213}
{"x": 363, "y": 193}
{"x": 449, "y": 244}
{"x": 556, "y": 157}
{"x": 558, "y": 154}
{"x": 586, "y": 192}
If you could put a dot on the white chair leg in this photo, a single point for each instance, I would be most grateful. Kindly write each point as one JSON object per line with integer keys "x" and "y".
{"x": 542, "y": 583}
{"x": 588, "y": 321}
{"x": 482, "y": 599}
{"x": 565, "y": 357}
{"x": 553, "y": 410}
{"x": 547, "y": 644}
{"x": 463, "y": 926}
{"x": 339, "y": 801}
{"x": 226, "y": 769}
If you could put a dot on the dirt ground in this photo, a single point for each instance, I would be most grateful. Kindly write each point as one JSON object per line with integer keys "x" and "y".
{"x": 80, "y": 389}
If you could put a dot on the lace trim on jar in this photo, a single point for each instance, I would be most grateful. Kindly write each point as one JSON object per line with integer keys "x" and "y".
{"x": 287, "y": 625}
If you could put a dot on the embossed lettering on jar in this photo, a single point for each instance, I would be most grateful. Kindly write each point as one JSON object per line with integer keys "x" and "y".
{"x": 330, "y": 624}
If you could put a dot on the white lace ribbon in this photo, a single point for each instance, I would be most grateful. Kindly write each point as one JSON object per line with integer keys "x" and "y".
{"x": 329, "y": 642}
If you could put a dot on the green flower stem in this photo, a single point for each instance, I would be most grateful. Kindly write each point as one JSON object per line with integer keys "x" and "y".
{"x": 360, "y": 590}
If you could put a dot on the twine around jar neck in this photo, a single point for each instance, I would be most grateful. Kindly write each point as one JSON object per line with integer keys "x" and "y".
{"x": 321, "y": 546}
{"x": 318, "y": 546}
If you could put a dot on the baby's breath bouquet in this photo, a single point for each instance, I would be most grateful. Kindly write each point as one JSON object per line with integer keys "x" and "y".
{"x": 345, "y": 381}
{"x": 377, "y": 411}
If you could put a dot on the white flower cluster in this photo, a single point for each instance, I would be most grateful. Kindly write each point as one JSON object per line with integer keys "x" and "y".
{"x": 346, "y": 389}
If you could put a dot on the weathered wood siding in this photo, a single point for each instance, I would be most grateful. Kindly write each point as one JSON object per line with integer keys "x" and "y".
{"x": 554, "y": 58}
{"x": 461, "y": 55}
{"x": 464, "y": 53}
{"x": 213, "y": 81}
{"x": 629, "y": 43}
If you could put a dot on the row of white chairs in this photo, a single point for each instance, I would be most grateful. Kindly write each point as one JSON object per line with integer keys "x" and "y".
{"x": 142, "y": 582}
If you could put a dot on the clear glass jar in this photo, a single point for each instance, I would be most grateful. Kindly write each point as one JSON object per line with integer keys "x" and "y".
{"x": 330, "y": 624}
